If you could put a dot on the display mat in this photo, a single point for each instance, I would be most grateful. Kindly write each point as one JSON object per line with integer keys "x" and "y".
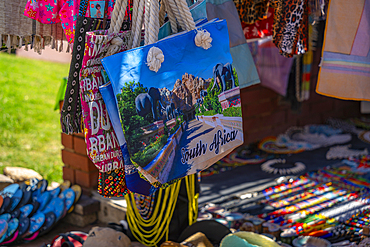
{"x": 250, "y": 178}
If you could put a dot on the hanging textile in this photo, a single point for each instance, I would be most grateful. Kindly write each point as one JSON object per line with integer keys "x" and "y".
{"x": 302, "y": 80}
{"x": 165, "y": 215}
{"x": 345, "y": 65}
{"x": 71, "y": 111}
{"x": 261, "y": 28}
{"x": 251, "y": 11}
{"x": 290, "y": 29}
{"x": 16, "y": 29}
{"x": 50, "y": 12}
{"x": 306, "y": 73}
{"x": 64, "y": 12}
{"x": 239, "y": 50}
{"x": 273, "y": 69}
{"x": 291, "y": 95}
{"x": 303, "y": 69}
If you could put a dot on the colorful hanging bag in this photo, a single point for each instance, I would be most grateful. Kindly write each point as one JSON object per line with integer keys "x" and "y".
{"x": 134, "y": 179}
{"x": 102, "y": 143}
{"x": 178, "y": 98}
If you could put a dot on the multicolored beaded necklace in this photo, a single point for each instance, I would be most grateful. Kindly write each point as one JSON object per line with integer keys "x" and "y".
{"x": 145, "y": 205}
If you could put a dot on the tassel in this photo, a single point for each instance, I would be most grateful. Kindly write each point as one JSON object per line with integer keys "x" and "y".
{"x": 47, "y": 41}
{"x": 26, "y": 41}
{"x": 52, "y": 43}
{"x": 61, "y": 46}
{"x": 35, "y": 43}
{"x": 20, "y": 42}
{"x": 15, "y": 42}
{"x": 39, "y": 44}
{"x": 42, "y": 43}
{"x": 8, "y": 44}
{"x": 68, "y": 47}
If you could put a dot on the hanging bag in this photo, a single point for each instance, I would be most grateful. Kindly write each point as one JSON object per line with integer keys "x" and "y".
{"x": 134, "y": 179}
{"x": 178, "y": 98}
{"x": 102, "y": 144}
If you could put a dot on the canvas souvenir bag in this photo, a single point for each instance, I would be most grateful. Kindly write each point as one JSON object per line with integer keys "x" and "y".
{"x": 178, "y": 98}
{"x": 102, "y": 144}
{"x": 135, "y": 181}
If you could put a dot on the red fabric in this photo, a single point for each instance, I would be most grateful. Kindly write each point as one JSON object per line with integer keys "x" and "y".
{"x": 260, "y": 29}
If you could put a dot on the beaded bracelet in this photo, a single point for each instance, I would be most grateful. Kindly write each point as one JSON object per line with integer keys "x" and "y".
{"x": 285, "y": 186}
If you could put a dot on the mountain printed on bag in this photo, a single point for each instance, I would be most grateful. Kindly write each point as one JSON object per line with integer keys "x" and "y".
{"x": 195, "y": 119}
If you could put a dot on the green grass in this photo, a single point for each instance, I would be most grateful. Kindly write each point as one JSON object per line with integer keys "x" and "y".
{"x": 29, "y": 127}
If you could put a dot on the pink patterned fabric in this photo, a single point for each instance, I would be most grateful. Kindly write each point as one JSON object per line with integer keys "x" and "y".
{"x": 55, "y": 11}
{"x": 101, "y": 140}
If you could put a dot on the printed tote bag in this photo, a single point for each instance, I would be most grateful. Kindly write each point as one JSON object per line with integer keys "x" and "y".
{"x": 178, "y": 98}
{"x": 102, "y": 143}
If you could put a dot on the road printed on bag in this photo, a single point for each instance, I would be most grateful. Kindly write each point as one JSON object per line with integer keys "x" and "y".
{"x": 185, "y": 128}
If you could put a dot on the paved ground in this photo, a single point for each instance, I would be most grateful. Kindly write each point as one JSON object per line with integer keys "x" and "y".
{"x": 249, "y": 178}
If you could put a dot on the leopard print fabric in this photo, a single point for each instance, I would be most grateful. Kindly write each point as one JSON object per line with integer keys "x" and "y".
{"x": 290, "y": 29}
{"x": 251, "y": 11}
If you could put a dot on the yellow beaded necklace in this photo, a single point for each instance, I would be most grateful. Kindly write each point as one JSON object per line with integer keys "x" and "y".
{"x": 160, "y": 219}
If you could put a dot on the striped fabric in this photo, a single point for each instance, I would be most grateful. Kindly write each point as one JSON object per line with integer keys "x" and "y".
{"x": 306, "y": 74}
{"x": 346, "y": 74}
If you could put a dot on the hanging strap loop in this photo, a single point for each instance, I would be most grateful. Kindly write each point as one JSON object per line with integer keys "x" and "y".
{"x": 118, "y": 15}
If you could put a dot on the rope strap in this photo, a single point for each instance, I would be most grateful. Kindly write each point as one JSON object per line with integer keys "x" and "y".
{"x": 118, "y": 16}
{"x": 171, "y": 16}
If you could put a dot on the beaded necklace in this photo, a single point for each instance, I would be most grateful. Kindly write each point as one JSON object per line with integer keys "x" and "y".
{"x": 316, "y": 191}
{"x": 268, "y": 167}
{"x": 159, "y": 215}
{"x": 294, "y": 190}
{"x": 285, "y": 186}
{"x": 159, "y": 220}
{"x": 145, "y": 205}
